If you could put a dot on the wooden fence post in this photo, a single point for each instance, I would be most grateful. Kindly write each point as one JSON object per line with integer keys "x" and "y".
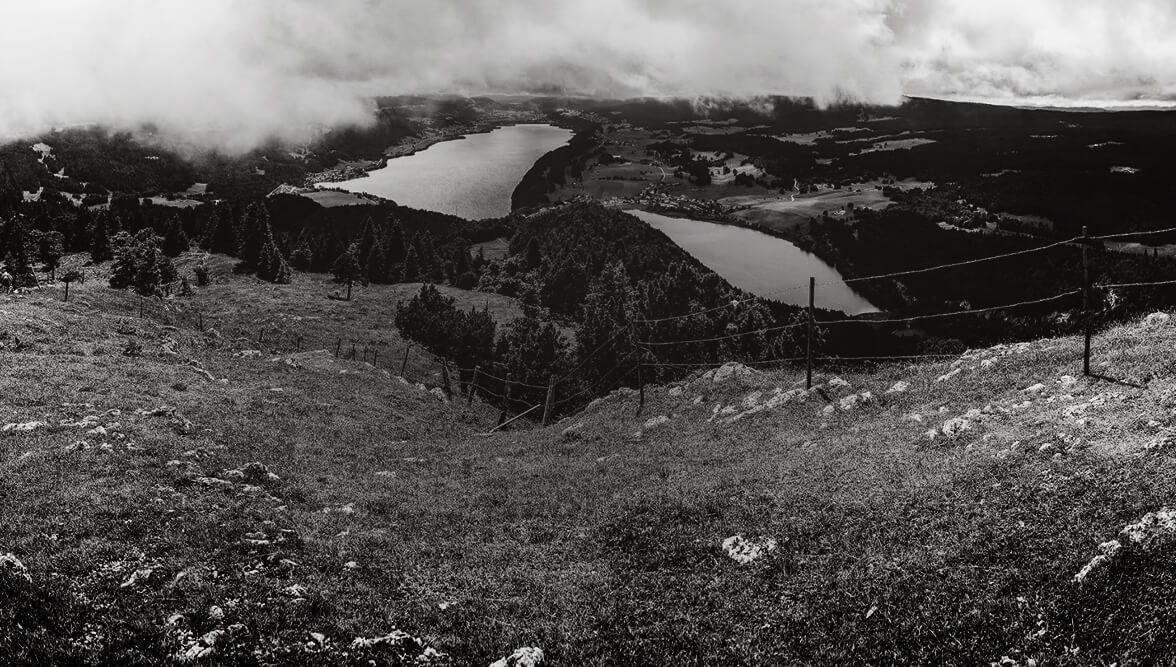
{"x": 375, "y": 356}
{"x": 140, "y": 305}
{"x": 549, "y": 405}
{"x": 809, "y": 342}
{"x": 506, "y": 403}
{"x": 298, "y": 344}
{"x": 1085, "y": 304}
{"x": 404, "y": 364}
{"x": 260, "y": 336}
{"x": 473, "y": 386}
{"x": 338, "y": 344}
{"x": 445, "y": 378}
{"x": 353, "y": 350}
{"x": 640, "y": 386}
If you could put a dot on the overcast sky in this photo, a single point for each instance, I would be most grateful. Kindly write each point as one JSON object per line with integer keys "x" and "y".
{"x": 249, "y": 68}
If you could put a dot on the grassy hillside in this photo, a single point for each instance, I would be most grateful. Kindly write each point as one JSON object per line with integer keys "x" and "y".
{"x": 197, "y": 500}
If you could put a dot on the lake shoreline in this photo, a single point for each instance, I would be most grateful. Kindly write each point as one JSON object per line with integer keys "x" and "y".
{"x": 471, "y": 179}
{"x": 752, "y": 264}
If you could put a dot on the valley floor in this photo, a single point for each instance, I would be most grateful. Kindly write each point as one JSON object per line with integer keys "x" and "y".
{"x": 176, "y": 495}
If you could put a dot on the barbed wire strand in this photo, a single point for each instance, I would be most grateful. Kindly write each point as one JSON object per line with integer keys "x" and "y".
{"x": 953, "y": 265}
{"x": 955, "y": 313}
{"x": 722, "y": 338}
{"x": 1119, "y": 285}
{"x": 1127, "y": 234}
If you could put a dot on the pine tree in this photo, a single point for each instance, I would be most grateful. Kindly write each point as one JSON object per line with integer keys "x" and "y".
{"x": 411, "y": 271}
{"x": 302, "y": 257}
{"x": 603, "y": 336}
{"x": 429, "y": 319}
{"x": 376, "y": 268}
{"x": 534, "y": 258}
{"x": 253, "y": 231}
{"x": 368, "y": 240}
{"x": 221, "y": 233}
{"x": 394, "y": 246}
{"x": 77, "y": 231}
{"x": 347, "y": 269}
{"x": 50, "y": 248}
{"x": 272, "y": 265}
{"x": 100, "y": 250}
{"x": 139, "y": 263}
{"x": 16, "y": 261}
{"x": 175, "y": 241}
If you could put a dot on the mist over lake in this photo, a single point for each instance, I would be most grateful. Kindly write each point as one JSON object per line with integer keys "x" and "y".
{"x": 472, "y": 178}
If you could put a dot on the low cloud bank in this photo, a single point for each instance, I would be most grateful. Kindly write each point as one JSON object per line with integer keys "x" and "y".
{"x": 234, "y": 72}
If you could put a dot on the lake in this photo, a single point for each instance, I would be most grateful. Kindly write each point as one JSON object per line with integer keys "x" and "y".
{"x": 472, "y": 178}
{"x": 763, "y": 265}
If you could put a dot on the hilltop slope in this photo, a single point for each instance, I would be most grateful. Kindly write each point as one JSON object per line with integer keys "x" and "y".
{"x": 198, "y": 500}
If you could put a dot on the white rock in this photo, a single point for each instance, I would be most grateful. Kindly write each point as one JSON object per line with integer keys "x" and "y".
{"x": 11, "y": 565}
{"x": 956, "y": 425}
{"x": 654, "y": 422}
{"x": 142, "y": 574}
{"x": 744, "y": 550}
{"x": 898, "y": 387}
{"x": 838, "y": 383}
{"x": 949, "y": 375}
{"x": 1156, "y": 319}
{"x": 526, "y": 656}
{"x": 675, "y": 392}
{"x": 732, "y": 369}
{"x": 1034, "y": 389}
{"x": 24, "y": 426}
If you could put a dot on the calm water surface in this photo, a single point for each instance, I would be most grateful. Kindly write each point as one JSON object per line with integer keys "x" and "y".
{"x": 763, "y": 265}
{"x": 472, "y": 177}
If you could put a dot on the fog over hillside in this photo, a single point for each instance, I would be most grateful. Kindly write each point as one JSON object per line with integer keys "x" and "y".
{"x": 251, "y": 70}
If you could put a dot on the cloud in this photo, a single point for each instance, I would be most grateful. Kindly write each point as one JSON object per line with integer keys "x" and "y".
{"x": 233, "y": 72}
{"x": 1011, "y": 50}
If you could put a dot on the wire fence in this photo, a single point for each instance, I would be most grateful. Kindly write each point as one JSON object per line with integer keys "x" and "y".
{"x": 592, "y": 375}
{"x": 814, "y": 324}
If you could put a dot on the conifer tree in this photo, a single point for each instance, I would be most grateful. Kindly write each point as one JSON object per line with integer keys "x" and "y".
{"x": 100, "y": 250}
{"x": 16, "y": 261}
{"x": 347, "y": 269}
{"x": 221, "y": 233}
{"x": 411, "y": 271}
{"x": 272, "y": 266}
{"x": 302, "y": 257}
{"x": 394, "y": 246}
{"x": 175, "y": 241}
{"x": 376, "y": 268}
{"x": 368, "y": 240}
{"x": 534, "y": 258}
{"x": 253, "y": 231}
{"x": 603, "y": 337}
{"x": 139, "y": 263}
{"x": 50, "y": 248}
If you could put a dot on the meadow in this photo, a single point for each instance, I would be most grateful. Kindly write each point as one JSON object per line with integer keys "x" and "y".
{"x": 170, "y": 492}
